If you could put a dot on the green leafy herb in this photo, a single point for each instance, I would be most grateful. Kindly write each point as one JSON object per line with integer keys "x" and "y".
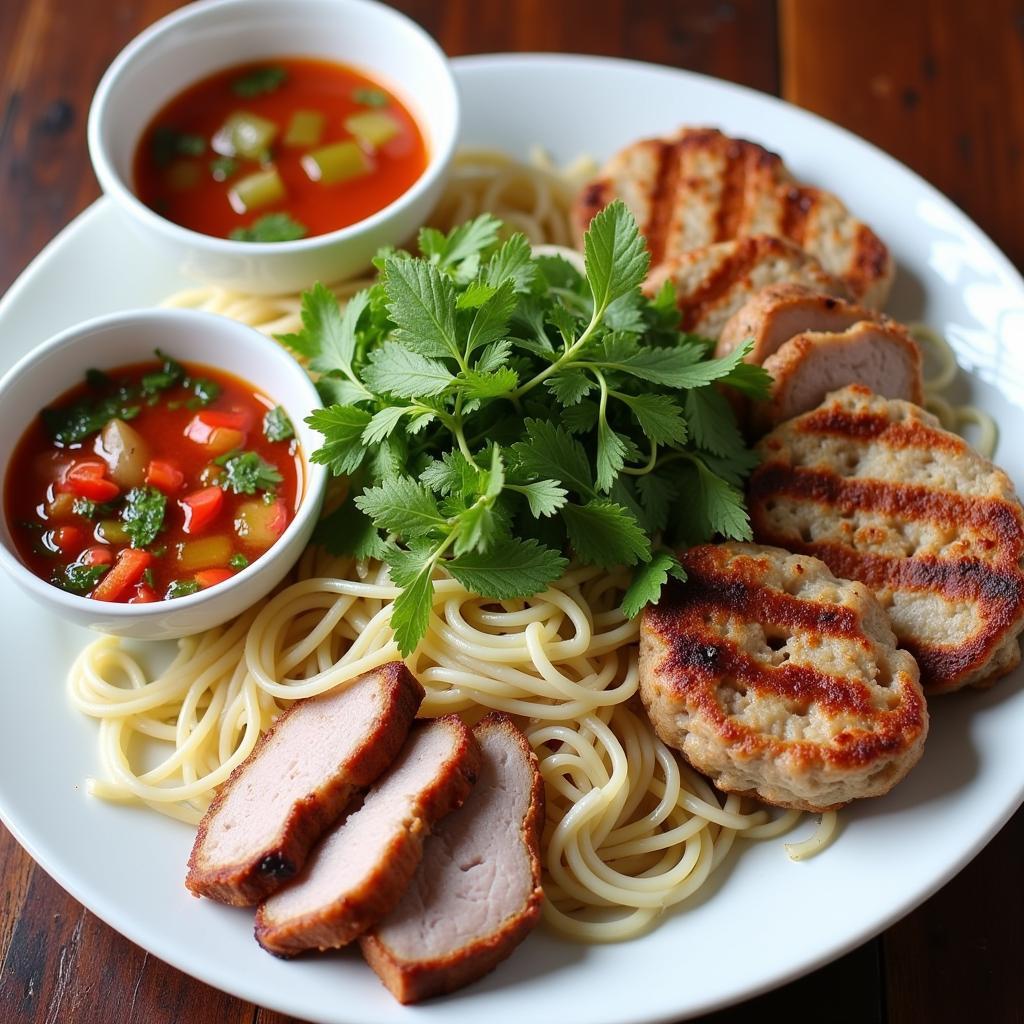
{"x": 168, "y": 143}
{"x": 181, "y": 588}
{"x": 77, "y": 578}
{"x": 170, "y": 374}
{"x": 143, "y": 515}
{"x": 259, "y": 82}
{"x": 238, "y": 561}
{"x": 277, "y": 426}
{"x": 93, "y": 509}
{"x": 75, "y": 423}
{"x": 498, "y": 413}
{"x": 247, "y": 473}
{"x": 370, "y": 97}
{"x": 271, "y": 227}
{"x": 204, "y": 391}
{"x": 223, "y": 167}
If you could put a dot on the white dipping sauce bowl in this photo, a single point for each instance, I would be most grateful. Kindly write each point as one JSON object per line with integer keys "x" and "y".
{"x": 206, "y": 37}
{"x": 191, "y": 337}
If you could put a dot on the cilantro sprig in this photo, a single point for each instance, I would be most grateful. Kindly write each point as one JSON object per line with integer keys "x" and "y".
{"x": 498, "y": 413}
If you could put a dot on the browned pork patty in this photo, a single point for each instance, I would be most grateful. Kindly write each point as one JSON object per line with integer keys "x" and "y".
{"x": 775, "y": 678}
{"x": 881, "y": 493}
{"x": 712, "y": 283}
{"x": 699, "y": 187}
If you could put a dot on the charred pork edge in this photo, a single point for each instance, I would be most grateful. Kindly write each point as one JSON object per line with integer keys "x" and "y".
{"x": 246, "y": 883}
{"x": 339, "y": 923}
{"x": 413, "y": 981}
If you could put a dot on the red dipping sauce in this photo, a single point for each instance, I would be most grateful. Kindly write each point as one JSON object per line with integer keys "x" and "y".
{"x": 278, "y": 150}
{"x": 152, "y": 481}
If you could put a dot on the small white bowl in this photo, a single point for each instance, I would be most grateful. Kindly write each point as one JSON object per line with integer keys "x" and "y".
{"x": 192, "y": 337}
{"x": 202, "y": 38}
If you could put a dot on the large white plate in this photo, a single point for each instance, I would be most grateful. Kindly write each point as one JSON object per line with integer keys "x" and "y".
{"x": 765, "y": 919}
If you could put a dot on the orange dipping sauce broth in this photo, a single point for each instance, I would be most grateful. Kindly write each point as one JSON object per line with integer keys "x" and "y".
{"x": 309, "y": 85}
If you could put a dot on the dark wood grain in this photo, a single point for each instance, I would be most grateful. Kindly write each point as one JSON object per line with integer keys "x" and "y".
{"x": 935, "y": 82}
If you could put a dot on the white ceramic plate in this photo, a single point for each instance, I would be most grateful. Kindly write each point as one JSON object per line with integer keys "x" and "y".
{"x": 765, "y": 919}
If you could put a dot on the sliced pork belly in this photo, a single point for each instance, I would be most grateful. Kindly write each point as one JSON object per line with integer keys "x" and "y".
{"x": 362, "y": 866}
{"x": 477, "y": 892}
{"x": 782, "y": 311}
{"x": 881, "y": 356}
{"x": 698, "y": 187}
{"x": 714, "y": 282}
{"x": 297, "y": 781}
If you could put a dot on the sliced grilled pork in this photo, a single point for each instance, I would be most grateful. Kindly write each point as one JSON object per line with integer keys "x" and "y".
{"x": 881, "y": 493}
{"x": 360, "y": 869}
{"x": 773, "y": 677}
{"x": 699, "y": 187}
{"x": 782, "y": 311}
{"x": 296, "y": 782}
{"x": 881, "y": 356}
{"x": 713, "y": 282}
{"x": 477, "y": 892}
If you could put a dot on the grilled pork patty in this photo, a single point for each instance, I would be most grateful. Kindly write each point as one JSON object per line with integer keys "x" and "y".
{"x": 712, "y": 283}
{"x": 881, "y": 493}
{"x": 699, "y": 187}
{"x": 775, "y": 678}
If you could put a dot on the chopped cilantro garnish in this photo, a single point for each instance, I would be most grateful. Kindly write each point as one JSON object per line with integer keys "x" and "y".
{"x": 147, "y": 576}
{"x": 143, "y": 515}
{"x": 277, "y": 426}
{"x": 76, "y": 423}
{"x": 370, "y": 97}
{"x": 238, "y": 561}
{"x": 205, "y": 392}
{"x": 171, "y": 372}
{"x": 93, "y": 509}
{"x": 247, "y": 473}
{"x": 168, "y": 143}
{"x": 223, "y": 167}
{"x": 97, "y": 380}
{"x": 79, "y": 579}
{"x": 273, "y": 227}
{"x": 181, "y": 588}
{"x": 259, "y": 82}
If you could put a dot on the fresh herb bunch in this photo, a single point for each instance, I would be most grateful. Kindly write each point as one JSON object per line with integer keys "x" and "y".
{"x": 496, "y": 411}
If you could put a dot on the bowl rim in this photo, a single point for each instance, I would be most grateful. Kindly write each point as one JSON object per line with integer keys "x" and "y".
{"x": 315, "y": 474}
{"x": 114, "y": 185}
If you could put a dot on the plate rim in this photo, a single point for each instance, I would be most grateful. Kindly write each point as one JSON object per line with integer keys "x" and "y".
{"x": 476, "y": 63}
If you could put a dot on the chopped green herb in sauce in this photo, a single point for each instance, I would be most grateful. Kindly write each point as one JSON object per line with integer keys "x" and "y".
{"x": 277, "y": 426}
{"x": 272, "y": 227}
{"x": 259, "y": 82}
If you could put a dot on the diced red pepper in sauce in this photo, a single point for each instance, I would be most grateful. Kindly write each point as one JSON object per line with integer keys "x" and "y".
{"x": 75, "y": 527}
{"x": 201, "y": 508}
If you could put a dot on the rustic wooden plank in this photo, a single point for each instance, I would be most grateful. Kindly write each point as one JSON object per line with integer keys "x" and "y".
{"x": 734, "y": 40}
{"x": 961, "y": 950}
{"x": 939, "y": 85}
{"x": 16, "y": 868}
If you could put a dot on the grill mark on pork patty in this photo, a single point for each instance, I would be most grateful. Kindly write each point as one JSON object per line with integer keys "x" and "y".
{"x": 992, "y": 518}
{"x": 732, "y": 207}
{"x": 868, "y": 426}
{"x": 870, "y": 259}
{"x": 998, "y": 597}
{"x": 666, "y": 183}
{"x": 797, "y": 205}
{"x": 699, "y": 663}
{"x": 755, "y": 602}
{"x": 722, "y": 278}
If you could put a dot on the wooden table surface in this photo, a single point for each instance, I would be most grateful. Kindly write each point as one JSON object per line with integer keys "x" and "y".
{"x": 937, "y": 83}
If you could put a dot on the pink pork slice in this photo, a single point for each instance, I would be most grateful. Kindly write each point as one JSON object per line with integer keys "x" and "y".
{"x": 476, "y": 894}
{"x": 300, "y": 777}
{"x": 361, "y": 868}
